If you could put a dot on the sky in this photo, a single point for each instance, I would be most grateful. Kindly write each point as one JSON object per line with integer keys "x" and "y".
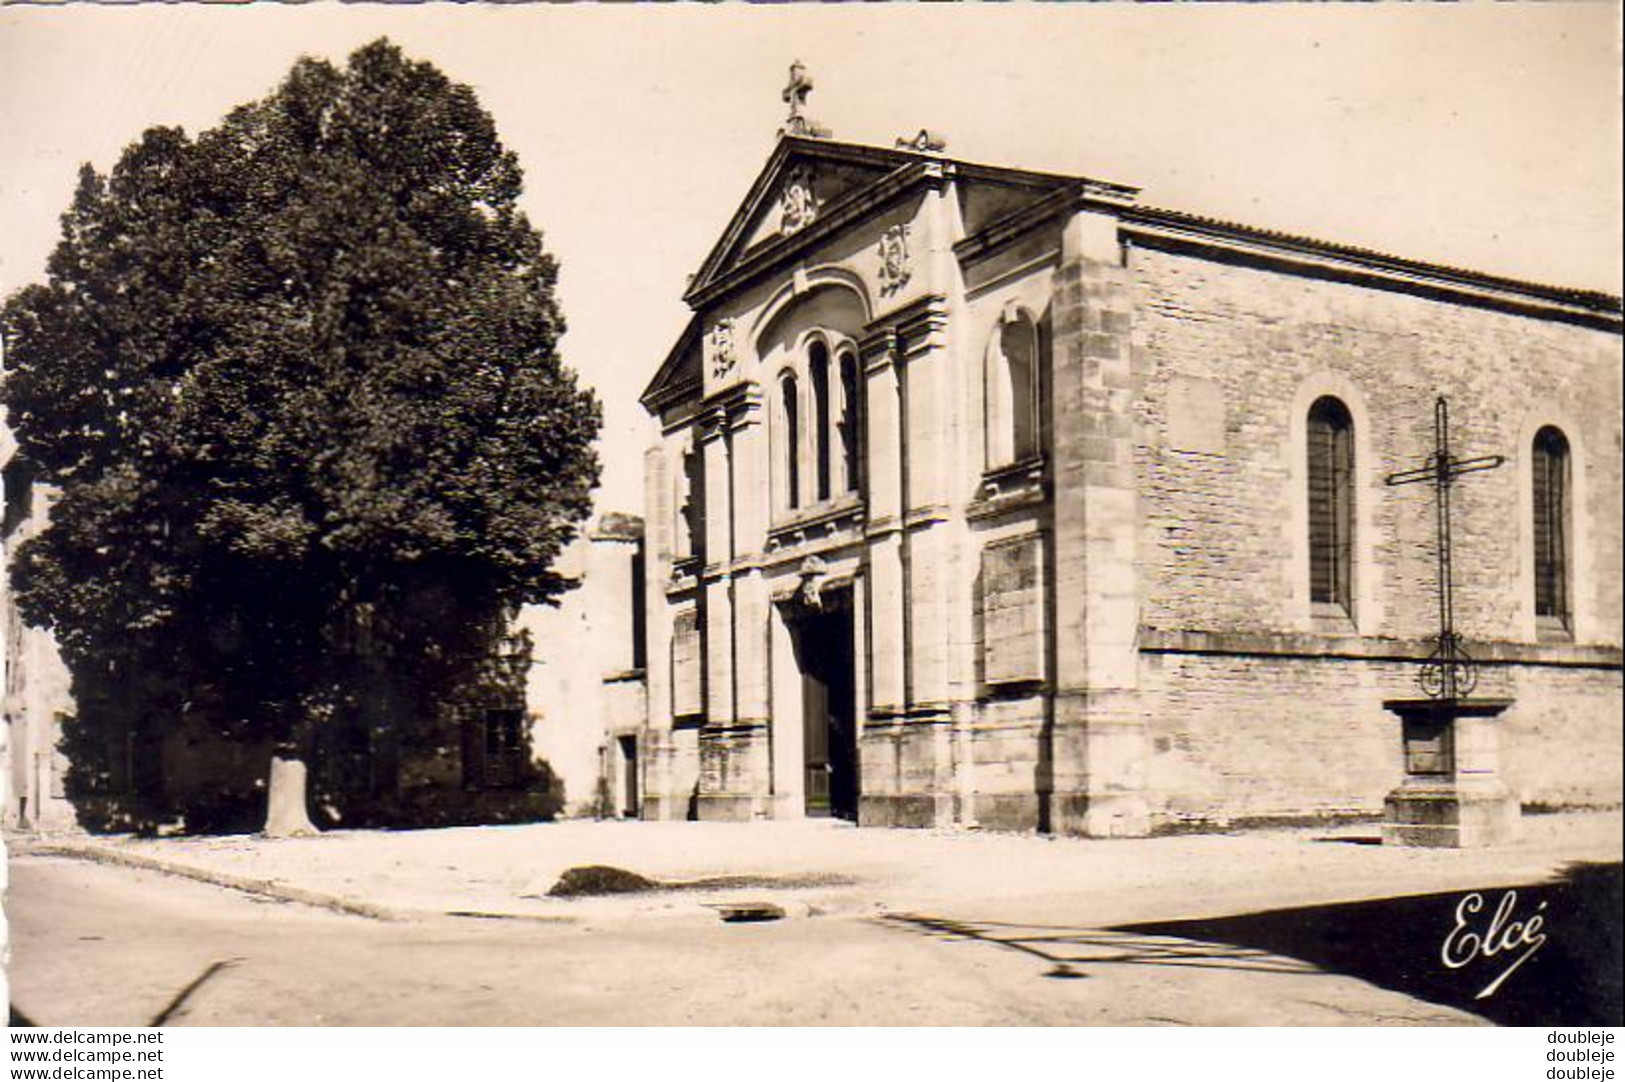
{"x": 1484, "y": 136}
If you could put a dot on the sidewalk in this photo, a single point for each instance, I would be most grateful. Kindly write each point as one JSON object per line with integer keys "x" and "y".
{"x": 507, "y": 870}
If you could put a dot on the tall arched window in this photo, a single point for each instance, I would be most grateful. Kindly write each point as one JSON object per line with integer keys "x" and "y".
{"x": 1550, "y": 477}
{"x": 1012, "y": 392}
{"x": 818, "y": 372}
{"x": 791, "y": 409}
{"x": 851, "y": 421}
{"x": 1331, "y": 503}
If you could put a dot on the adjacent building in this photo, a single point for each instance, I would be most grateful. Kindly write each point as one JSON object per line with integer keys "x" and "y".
{"x": 36, "y": 698}
{"x": 584, "y": 695}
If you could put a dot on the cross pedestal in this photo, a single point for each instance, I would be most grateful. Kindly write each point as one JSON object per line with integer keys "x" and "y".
{"x": 1452, "y": 796}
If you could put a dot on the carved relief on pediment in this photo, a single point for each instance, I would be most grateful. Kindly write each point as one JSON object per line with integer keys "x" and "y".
{"x": 798, "y": 202}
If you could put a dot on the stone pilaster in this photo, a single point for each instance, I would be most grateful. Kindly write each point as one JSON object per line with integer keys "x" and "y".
{"x": 749, "y": 501}
{"x": 883, "y": 443}
{"x": 751, "y": 604}
{"x": 786, "y": 722}
{"x": 660, "y": 798}
{"x": 927, "y": 455}
{"x": 716, "y": 576}
{"x": 906, "y": 753}
{"x": 724, "y": 782}
{"x": 1098, "y": 745}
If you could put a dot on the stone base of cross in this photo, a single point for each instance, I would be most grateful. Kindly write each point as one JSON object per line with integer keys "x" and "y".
{"x": 1453, "y": 795}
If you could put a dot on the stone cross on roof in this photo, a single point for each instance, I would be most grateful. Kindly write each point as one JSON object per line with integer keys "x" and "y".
{"x": 795, "y": 96}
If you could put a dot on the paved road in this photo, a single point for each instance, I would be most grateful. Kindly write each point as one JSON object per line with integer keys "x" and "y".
{"x": 94, "y": 945}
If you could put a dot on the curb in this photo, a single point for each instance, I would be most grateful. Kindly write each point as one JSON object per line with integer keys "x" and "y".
{"x": 282, "y": 892}
{"x": 264, "y": 888}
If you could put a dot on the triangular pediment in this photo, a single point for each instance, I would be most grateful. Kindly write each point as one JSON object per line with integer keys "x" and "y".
{"x": 804, "y": 187}
{"x": 680, "y": 373}
{"x": 808, "y": 181}
{"x": 802, "y": 177}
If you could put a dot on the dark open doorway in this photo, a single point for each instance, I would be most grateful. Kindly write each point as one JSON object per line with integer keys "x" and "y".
{"x": 824, "y": 653}
{"x": 629, "y": 777}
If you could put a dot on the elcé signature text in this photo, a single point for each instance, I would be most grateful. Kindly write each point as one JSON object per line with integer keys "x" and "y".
{"x": 1501, "y": 937}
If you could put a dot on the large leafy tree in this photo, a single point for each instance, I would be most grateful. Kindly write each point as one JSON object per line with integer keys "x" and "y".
{"x": 296, "y": 382}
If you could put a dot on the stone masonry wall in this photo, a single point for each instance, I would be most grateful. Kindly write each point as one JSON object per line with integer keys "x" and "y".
{"x": 1216, "y": 548}
{"x": 1233, "y": 357}
{"x": 1237, "y": 738}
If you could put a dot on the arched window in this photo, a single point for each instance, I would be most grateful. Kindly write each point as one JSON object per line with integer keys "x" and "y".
{"x": 1331, "y": 503}
{"x": 851, "y": 421}
{"x": 1012, "y": 392}
{"x": 1550, "y": 477}
{"x": 818, "y": 372}
{"x": 791, "y": 409}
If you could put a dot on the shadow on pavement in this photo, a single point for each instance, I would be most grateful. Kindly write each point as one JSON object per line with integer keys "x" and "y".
{"x": 1572, "y": 979}
{"x": 1072, "y": 952}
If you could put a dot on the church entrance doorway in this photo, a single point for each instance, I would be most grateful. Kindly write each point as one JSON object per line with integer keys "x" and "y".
{"x": 824, "y": 651}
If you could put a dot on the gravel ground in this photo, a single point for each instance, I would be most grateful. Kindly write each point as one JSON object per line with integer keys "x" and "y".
{"x": 840, "y": 868}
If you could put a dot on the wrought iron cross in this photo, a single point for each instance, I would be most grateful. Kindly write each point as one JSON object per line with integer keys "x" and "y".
{"x": 1449, "y": 672}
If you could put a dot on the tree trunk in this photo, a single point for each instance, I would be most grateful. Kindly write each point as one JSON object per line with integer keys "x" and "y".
{"x": 286, "y": 815}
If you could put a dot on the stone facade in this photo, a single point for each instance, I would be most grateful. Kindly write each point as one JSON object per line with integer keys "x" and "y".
{"x": 584, "y": 699}
{"x": 981, "y": 497}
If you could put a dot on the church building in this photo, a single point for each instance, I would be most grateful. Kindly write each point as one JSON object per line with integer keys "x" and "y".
{"x": 990, "y": 497}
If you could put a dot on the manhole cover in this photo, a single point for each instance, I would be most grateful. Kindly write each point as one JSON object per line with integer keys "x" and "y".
{"x": 748, "y": 912}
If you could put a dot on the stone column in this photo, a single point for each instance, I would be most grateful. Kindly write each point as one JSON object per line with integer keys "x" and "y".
{"x": 1099, "y": 739}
